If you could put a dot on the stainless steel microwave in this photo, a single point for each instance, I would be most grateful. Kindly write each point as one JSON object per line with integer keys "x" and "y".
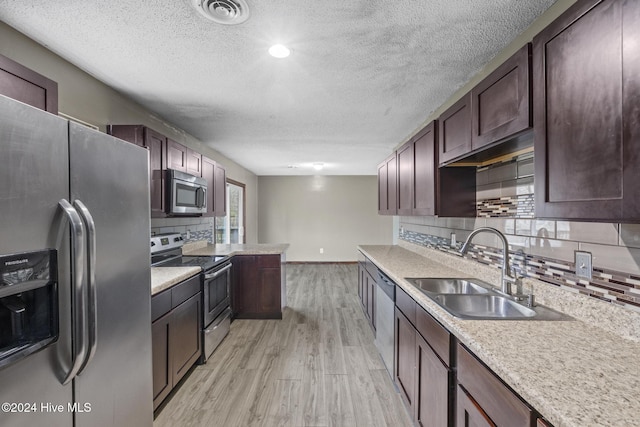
{"x": 186, "y": 193}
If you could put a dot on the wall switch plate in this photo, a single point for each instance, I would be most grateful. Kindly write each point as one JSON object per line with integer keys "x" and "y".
{"x": 321, "y": 250}
{"x": 583, "y": 264}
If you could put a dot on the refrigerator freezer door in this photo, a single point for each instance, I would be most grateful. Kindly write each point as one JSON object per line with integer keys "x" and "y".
{"x": 110, "y": 177}
{"x": 34, "y": 175}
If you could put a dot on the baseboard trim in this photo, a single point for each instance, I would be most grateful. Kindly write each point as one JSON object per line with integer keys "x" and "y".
{"x": 322, "y": 262}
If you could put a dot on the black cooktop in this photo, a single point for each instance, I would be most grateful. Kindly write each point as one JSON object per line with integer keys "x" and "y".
{"x": 171, "y": 260}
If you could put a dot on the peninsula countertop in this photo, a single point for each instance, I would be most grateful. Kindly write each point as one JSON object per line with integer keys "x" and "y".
{"x": 198, "y": 249}
{"x": 575, "y": 373}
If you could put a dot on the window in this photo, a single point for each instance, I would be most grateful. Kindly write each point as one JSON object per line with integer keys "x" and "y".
{"x": 230, "y": 228}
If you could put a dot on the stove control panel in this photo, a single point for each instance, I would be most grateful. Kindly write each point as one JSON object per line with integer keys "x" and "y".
{"x": 163, "y": 242}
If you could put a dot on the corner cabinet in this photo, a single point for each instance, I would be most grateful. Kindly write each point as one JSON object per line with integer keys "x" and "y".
{"x": 587, "y": 123}
{"x": 176, "y": 335}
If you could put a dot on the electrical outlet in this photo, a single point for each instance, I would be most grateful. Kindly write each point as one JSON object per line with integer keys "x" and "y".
{"x": 321, "y": 250}
{"x": 188, "y": 234}
{"x": 583, "y": 264}
{"x": 453, "y": 239}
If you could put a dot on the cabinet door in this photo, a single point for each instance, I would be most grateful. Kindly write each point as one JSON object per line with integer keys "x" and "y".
{"x": 469, "y": 413}
{"x": 371, "y": 300}
{"x": 208, "y": 173}
{"x": 185, "y": 336}
{"x": 25, "y": 85}
{"x": 425, "y": 171}
{"x": 220, "y": 191}
{"x": 161, "y": 356}
{"x": 244, "y": 279}
{"x": 387, "y": 186}
{"x": 405, "y": 355}
{"x": 194, "y": 162}
{"x": 156, "y": 144}
{"x": 587, "y": 131}
{"x": 432, "y": 390}
{"x": 269, "y": 292}
{"x": 176, "y": 156}
{"x": 501, "y": 103}
{"x": 454, "y": 131}
{"x": 406, "y": 162}
{"x": 364, "y": 297}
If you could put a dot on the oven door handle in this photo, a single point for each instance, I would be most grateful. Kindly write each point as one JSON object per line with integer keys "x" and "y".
{"x": 217, "y": 273}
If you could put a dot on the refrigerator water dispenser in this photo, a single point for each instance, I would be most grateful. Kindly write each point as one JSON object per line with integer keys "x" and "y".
{"x": 28, "y": 304}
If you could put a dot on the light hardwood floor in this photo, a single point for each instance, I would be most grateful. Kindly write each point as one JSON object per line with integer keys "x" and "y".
{"x": 318, "y": 366}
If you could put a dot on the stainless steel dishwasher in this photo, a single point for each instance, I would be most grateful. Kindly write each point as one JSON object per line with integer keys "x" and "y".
{"x": 385, "y": 304}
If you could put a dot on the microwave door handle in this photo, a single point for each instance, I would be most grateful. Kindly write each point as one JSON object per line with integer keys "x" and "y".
{"x": 91, "y": 281}
{"x": 78, "y": 320}
{"x": 200, "y": 197}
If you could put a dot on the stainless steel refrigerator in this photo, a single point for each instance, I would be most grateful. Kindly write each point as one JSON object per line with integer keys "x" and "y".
{"x": 84, "y": 197}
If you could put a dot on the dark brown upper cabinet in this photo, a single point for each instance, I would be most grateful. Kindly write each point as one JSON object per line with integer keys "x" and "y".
{"x": 501, "y": 103}
{"x": 156, "y": 144}
{"x": 194, "y": 162}
{"x": 387, "y": 184}
{"x": 406, "y": 178}
{"x": 455, "y": 130}
{"x": 216, "y": 178}
{"x": 417, "y": 173}
{"x": 25, "y": 85}
{"x": 176, "y": 156}
{"x": 587, "y": 113}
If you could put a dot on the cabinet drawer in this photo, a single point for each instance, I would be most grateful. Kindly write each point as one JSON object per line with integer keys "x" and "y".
{"x": 371, "y": 268}
{"x": 435, "y": 334}
{"x": 268, "y": 261}
{"x": 183, "y": 291}
{"x": 406, "y": 304}
{"x": 160, "y": 304}
{"x": 502, "y": 405}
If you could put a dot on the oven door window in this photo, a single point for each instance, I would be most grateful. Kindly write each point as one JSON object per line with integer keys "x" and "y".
{"x": 217, "y": 296}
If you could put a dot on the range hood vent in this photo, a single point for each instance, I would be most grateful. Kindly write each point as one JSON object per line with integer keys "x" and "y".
{"x": 226, "y": 12}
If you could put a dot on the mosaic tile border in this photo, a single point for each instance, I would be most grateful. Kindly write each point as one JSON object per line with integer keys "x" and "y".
{"x": 615, "y": 287}
{"x": 520, "y": 206}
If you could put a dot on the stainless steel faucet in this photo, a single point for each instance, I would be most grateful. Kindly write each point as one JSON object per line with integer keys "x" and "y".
{"x": 507, "y": 278}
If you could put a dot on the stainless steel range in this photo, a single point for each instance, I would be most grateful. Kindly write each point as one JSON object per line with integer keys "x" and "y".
{"x": 166, "y": 251}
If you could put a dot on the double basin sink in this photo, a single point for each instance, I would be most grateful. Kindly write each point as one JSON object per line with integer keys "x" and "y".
{"x": 476, "y": 300}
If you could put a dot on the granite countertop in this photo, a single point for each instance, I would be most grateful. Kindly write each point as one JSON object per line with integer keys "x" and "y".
{"x": 199, "y": 249}
{"x": 165, "y": 277}
{"x": 579, "y": 372}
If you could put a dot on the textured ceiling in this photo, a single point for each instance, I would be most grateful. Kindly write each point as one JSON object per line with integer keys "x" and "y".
{"x": 363, "y": 74}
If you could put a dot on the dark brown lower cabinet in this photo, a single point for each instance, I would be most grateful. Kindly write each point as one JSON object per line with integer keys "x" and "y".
{"x": 367, "y": 293}
{"x": 432, "y": 388}
{"x": 493, "y": 400}
{"x": 469, "y": 413}
{"x": 257, "y": 286}
{"x": 176, "y": 335}
{"x": 405, "y": 359}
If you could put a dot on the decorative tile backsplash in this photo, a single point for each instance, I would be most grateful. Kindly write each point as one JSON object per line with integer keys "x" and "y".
{"x": 608, "y": 285}
{"x": 191, "y": 229}
{"x": 520, "y": 206}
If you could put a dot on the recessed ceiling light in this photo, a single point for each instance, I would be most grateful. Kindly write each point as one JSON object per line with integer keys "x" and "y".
{"x": 279, "y": 51}
{"x": 318, "y": 166}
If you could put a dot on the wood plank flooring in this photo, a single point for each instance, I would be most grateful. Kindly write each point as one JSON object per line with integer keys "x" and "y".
{"x": 318, "y": 366}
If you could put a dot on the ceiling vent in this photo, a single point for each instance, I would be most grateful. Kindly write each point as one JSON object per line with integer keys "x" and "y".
{"x": 227, "y": 12}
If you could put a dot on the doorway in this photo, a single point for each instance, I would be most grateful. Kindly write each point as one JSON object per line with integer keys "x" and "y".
{"x": 230, "y": 228}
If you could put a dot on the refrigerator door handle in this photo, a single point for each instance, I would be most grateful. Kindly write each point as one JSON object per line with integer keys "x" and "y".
{"x": 78, "y": 321}
{"x": 90, "y": 225}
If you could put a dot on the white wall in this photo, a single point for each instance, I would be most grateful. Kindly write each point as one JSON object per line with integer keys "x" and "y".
{"x": 82, "y": 96}
{"x": 335, "y": 213}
